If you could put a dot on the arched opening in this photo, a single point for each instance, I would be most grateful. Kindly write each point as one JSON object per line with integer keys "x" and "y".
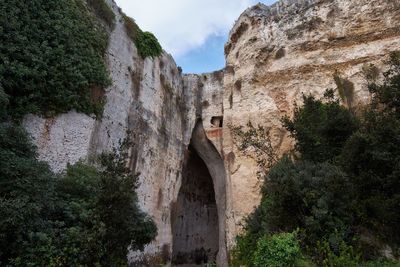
{"x": 195, "y": 225}
{"x": 198, "y": 216}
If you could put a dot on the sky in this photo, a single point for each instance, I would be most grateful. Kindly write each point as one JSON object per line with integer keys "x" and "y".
{"x": 193, "y": 31}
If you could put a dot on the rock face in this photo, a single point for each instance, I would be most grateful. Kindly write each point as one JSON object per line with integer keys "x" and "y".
{"x": 274, "y": 54}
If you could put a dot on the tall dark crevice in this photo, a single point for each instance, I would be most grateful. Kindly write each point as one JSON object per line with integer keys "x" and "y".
{"x": 198, "y": 216}
{"x": 195, "y": 220}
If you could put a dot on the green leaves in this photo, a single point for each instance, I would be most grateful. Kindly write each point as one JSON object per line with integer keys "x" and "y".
{"x": 320, "y": 128}
{"x": 146, "y": 43}
{"x": 82, "y": 218}
{"x": 279, "y": 250}
{"x": 26, "y": 191}
{"x": 343, "y": 189}
{"x": 313, "y": 196}
{"x": 51, "y": 56}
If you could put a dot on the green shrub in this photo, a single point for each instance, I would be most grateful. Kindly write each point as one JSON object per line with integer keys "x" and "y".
{"x": 372, "y": 159}
{"x": 51, "y": 56}
{"x": 93, "y": 232}
{"x": 380, "y": 264}
{"x": 320, "y": 129}
{"x": 132, "y": 29}
{"x": 26, "y": 192}
{"x": 243, "y": 252}
{"x": 103, "y": 11}
{"x": 313, "y": 196}
{"x": 279, "y": 250}
{"x": 342, "y": 256}
{"x": 67, "y": 221}
{"x": 387, "y": 94}
{"x": 146, "y": 43}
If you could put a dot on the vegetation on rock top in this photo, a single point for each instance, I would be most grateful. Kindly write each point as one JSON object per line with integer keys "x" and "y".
{"x": 146, "y": 43}
{"x": 51, "y": 56}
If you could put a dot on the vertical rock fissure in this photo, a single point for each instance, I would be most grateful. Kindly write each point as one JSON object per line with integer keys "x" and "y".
{"x": 198, "y": 216}
{"x": 195, "y": 224}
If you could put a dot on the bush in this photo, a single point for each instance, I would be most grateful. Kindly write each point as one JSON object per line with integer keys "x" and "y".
{"x": 97, "y": 233}
{"x": 243, "y": 252}
{"x": 279, "y": 250}
{"x": 342, "y": 256}
{"x": 320, "y": 129}
{"x": 387, "y": 94}
{"x": 380, "y": 264}
{"x": 313, "y": 196}
{"x": 26, "y": 192}
{"x": 66, "y": 221}
{"x": 51, "y": 56}
{"x": 132, "y": 29}
{"x": 146, "y": 43}
{"x": 73, "y": 224}
{"x": 372, "y": 158}
{"x": 103, "y": 11}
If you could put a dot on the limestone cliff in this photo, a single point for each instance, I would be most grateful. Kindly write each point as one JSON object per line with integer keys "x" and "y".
{"x": 274, "y": 54}
{"x": 146, "y": 102}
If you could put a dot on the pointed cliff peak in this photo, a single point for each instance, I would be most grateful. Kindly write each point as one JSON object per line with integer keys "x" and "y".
{"x": 279, "y": 8}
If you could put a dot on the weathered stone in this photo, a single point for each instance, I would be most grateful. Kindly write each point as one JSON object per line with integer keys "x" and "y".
{"x": 320, "y": 38}
{"x": 273, "y": 56}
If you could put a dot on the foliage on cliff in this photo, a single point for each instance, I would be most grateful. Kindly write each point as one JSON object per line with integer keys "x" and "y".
{"x": 103, "y": 11}
{"x": 85, "y": 217}
{"x": 51, "y": 56}
{"x": 320, "y": 128}
{"x": 146, "y": 43}
{"x": 341, "y": 186}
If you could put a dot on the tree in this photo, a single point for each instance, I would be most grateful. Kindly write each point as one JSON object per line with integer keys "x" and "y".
{"x": 95, "y": 220}
{"x": 320, "y": 128}
{"x": 26, "y": 192}
{"x": 372, "y": 157}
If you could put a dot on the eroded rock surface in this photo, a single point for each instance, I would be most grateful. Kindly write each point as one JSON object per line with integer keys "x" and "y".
{"x": 273, "y": 56}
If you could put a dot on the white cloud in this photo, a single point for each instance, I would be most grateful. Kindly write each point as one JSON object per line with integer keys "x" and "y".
{"x": 183, "y": 25}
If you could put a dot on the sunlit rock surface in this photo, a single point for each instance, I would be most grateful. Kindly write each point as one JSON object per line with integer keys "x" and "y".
{"x": 273, "y": 56}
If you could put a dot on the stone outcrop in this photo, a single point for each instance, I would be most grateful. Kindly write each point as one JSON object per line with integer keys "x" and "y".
{"x": 273, "y": 56}
{"x": 147, "y": 103}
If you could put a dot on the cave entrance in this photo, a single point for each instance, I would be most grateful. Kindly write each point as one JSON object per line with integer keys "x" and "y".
{"x": 195, "y": 222}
